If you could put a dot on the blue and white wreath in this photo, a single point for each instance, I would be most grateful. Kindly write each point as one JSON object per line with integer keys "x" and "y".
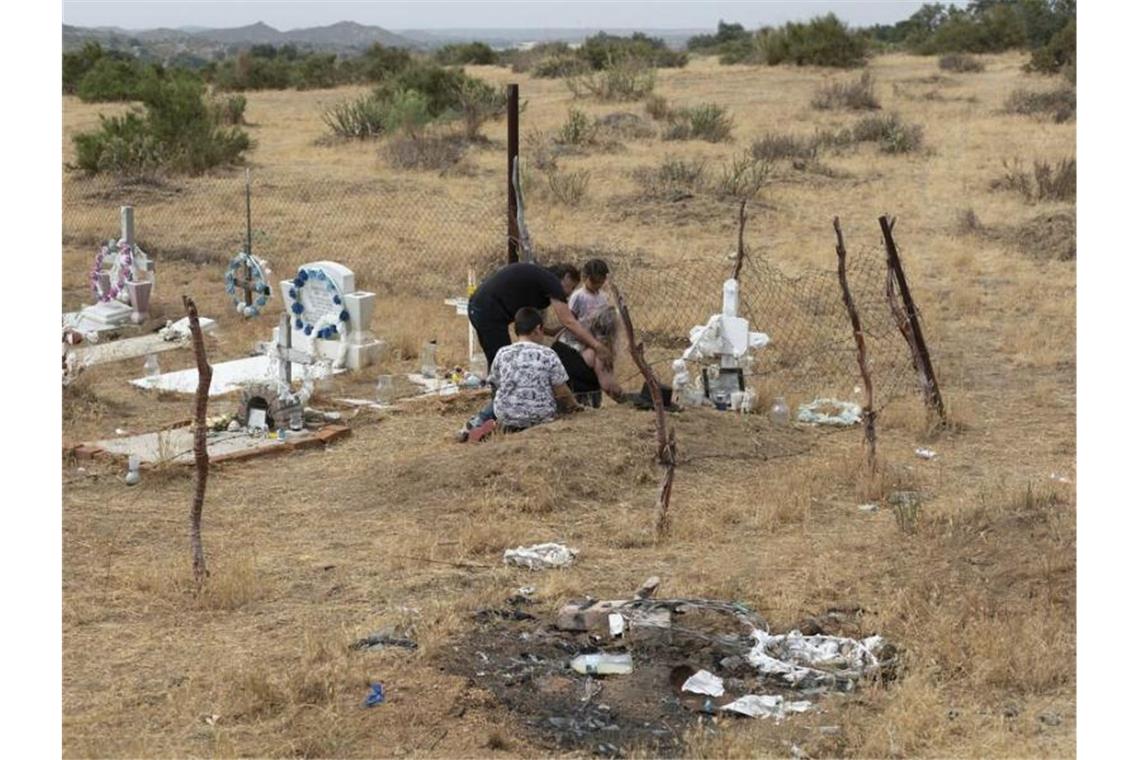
{"x": 258, "y": 278}
{"x": 328, "y": 325}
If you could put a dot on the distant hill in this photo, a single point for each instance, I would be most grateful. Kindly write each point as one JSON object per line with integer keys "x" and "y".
{"x": 344, "y": 38}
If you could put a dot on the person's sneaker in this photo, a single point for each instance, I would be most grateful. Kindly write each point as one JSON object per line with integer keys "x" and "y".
{"x": 479, "y": 432}
{"x": 465, "y": 431}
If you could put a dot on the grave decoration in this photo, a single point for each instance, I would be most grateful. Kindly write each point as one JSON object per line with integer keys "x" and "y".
{"x": 247, "y": 273}
{"x": 329, "y": 317}
{"x": 722, "y": 349}
{"x": 247, "y": 283}
{"x": 122, "y": 283}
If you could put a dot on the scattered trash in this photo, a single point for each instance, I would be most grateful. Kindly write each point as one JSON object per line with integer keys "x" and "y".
{"x": 540, "y": 556}
{"x": 526, "y": 591}
{"x": 1059, "y": 478}
{"x": 211, "y": 720}
{"x": 807, "y": 662}
{"x": 617, "y": 624}
{"x": 829, "y": 411}
{"x": 704, "y": 682}
{"x": 1050, "y": 718}
{"x": 120, "y": 431}
{"x": 925, "y": 453}
{"x": 488, "y": 614}
{"x": 904, "y": 498}
{"x": 766, "y": 706}
{"x": 602, "y": 664}
{"x": 234, "y": 426}
{"x": 870, "y": 507}
{"x": 382, "y": 640}
{"x": 375, "y": 695}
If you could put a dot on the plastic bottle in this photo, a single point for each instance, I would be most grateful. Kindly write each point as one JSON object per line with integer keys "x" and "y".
{"x": 779, "y": 412}
{"x": 384, "y": 390}
{"x": 602, "y": 664}
{"x": 427, "y": 359}
{"x": 151, "y": 365}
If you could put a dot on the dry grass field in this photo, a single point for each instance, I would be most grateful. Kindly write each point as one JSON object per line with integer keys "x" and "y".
{"x": 314, "y": 550}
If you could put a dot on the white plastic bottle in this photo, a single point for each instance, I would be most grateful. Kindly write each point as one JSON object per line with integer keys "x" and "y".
{"x": 602, "y": 664}
{"x": 779, "y": 412}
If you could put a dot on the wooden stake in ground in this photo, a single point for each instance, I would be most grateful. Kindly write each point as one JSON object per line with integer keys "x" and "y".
{"x": 860, "y": 348}
{"x": 666, "y": 440}
{"x": 913, "y": 333}
{"x": 201, "y": 456}
{"x": 740, "y": 241}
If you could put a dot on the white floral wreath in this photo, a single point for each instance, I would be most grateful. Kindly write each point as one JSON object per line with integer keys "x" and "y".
{"x": 258, "y": 275}
{"x": 122, "y": 269}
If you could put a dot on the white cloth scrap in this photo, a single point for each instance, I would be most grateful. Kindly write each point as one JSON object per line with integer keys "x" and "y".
{"x": 540, "y": 556}
{"x": 766, "y": 706}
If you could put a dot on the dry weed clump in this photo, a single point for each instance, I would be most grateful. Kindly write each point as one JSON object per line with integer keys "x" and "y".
{"x": 1048, "y": 182}
{"x": 628, "y": 79}
{"x": 440, "y": 153}
{"x": 773, "y": 147}
{"x": 963, "y": 63}
{"x": 854, "y": 95}
{"x": 1059, "y": 104}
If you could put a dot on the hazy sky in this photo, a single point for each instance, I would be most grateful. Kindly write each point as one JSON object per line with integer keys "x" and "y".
{"x": 428, "y": 14}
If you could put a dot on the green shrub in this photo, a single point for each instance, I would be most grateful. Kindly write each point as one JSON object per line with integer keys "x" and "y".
{"x": 457, "y": 54}
{"x": 726, "y": 34}
{"x": 673, "y": 178}
{"x": 77, "y": 64}
{"x": 316, "y": 72}
{"x": 601, "y": 50}
{"x": 1000, "y": 27}
{"x": 408, "y": 112}
{"x": 708, "y": 121}
{"x": 110, "y": 79}
{"x": 889, "y": 131}
{"x": 559, "y": 65}
{"x": 856, "y": 95}
{"x": 361, "y": 118}
{"x": 525, "y": 60}
{"x": 441, "y": 87}
{"x": 629, "y": 79}
{"x": 576, "y": 130}
{"x": 1059, "y": 53}
{"x": 178, "y": 131}
{"x": 477, "y": 103}
{"x": 741, "y": 51}
{"x": 229, "y": 110}
{"x": 960, "y": 62}
{"x": 380, "y": 62}
{"x": 822, "y": 41}
{"x": 1060, "y": 103}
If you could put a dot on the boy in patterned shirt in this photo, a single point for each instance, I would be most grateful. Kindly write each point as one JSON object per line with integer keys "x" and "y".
{"x": 529, "y": 379}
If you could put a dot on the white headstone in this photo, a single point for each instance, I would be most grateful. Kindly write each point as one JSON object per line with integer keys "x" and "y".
{"x": 328, "y": 316}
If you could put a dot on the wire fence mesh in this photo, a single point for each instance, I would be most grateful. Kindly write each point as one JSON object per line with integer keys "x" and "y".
{"x": 414, "y": 247}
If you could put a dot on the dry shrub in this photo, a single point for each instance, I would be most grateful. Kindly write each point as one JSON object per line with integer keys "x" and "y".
{"x": 962, "y": 63}
{"x": 441, "y": 153}
{"x": 742, "y": 177}
{"x": 623, "y": 124}
{"x": 1060, "y": 104}
{"x": 854, "y": 95}
{"x": 568, "y": 188}
{"x": 629, "y": 79}
{"x": 657, "y": 107}
{"x": 233, "y": 581}
{"x": 672, "y": 178}
{"x": 1048, "y": 182}
{"x": 576, "y": 130}
{"x": 773, "y": 147}
{"x": 892, "y": 134}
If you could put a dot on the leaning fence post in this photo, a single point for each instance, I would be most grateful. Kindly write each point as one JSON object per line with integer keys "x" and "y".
{"x": 201, "y": 454}
{"x": 930, "y": 390}
{"x": 666, "y": 441}
{"x": 860, "y": 347}
{"x": 512, "y": 159}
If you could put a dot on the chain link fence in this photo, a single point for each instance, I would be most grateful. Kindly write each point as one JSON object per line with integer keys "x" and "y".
{"x": 414, "y": 247}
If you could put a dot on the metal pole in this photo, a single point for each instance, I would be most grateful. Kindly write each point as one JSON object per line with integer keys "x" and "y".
{"x": 933, "y": 394}
{"x": 512, "y": 157}
{"x": 285, "y": 340}
{"x": 248, "y": 245}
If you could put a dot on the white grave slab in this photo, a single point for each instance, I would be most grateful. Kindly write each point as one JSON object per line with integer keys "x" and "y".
{"x": 228, "y": 376}
{"x": 177, "y": 445}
